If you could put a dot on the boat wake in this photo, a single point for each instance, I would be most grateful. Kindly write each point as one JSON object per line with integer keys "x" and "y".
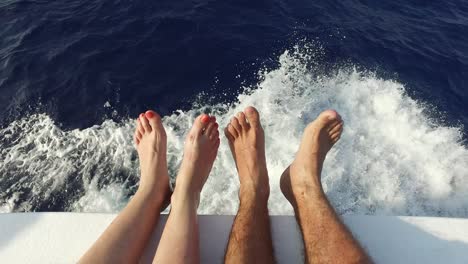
{"x": 392, "y": 159}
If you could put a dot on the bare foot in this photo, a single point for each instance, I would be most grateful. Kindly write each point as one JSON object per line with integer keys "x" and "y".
{"x": 247, "y": 143}
{"x": 200, "y": 150}
{"x": 151, "y": 143}
{"x": 303, "y": 176}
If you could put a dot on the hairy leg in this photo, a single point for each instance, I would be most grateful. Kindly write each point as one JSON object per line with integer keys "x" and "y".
{"x": 250, "y": 239}
{"x": 326, "y": 238}
{"x": 125, "y": 239}
{"x": 180, "y": 239}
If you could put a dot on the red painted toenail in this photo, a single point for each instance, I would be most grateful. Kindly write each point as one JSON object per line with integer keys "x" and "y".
{"x": 149, "y": 114}
{"x": 142, "y": 115}
{"x": 205, "y": 119}
{"x": 216, "y": 125}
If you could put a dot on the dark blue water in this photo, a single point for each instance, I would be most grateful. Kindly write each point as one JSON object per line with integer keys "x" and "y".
{"x": 72, "y": 57}
{"x": 83, "y": 62}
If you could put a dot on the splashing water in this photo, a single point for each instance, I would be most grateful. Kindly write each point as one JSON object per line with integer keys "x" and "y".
{"x": 392, "y": 159}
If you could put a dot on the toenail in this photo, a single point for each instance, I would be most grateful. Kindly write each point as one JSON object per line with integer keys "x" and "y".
{"x": 216, "y": 125}
{"x": 142, "y": 115}
{"x": 149, "y": 114}
{"x": 205, "y": 119}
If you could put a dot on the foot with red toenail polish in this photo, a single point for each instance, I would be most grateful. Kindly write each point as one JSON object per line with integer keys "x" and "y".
{"x": 151, "y": 143}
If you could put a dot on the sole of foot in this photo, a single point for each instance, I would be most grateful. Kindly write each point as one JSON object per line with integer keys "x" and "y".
{"x": 151, "y": 144}
{"x": 303, "y": 176}
{"x": 247, "y": 143}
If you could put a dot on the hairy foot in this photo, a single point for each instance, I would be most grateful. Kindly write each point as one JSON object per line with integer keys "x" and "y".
{"x": 247, "y": 142}
{"x": 200, "y": 150}
{"x": 151, "y": 143}
{"x": 304, "y": 174}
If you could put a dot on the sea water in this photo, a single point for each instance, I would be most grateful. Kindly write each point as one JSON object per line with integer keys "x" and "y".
{"x": 394, "y": 157}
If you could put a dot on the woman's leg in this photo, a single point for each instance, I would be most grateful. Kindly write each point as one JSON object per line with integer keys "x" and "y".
{"x": 180, "y": 239}
{"x": 125, "y": 239}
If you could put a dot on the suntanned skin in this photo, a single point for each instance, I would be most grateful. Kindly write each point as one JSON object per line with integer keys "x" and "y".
{"x": 125, "y": 239}
{"x": 180, "y": 239}
{"x": 250, "y": 239}
{"x": 326, "y": 238}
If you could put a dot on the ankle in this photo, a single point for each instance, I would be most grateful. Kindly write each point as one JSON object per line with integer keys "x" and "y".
{"x": 184, "y": 195}
{"x": 149, "y": 200}
{"x": 305, "y": 180}
{"x": 254, "y": 195}
{"x": 307, "y": 188}
{"x": 308, "y": 197}
{"x": 157, "y": 195}
{"x": 187, "y": 183}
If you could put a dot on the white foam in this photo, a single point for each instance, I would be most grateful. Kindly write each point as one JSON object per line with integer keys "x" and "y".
{"x": 390, "y": 160}
{"x": 110, "y": 198}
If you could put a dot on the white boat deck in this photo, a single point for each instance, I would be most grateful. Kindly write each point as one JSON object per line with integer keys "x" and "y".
{"x": 64, "y": 237}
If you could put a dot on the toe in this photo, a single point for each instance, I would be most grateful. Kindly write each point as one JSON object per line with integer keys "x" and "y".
{"x": 135, "y": 138}
{"x": 145, "y": 124}
{"x": 242, "y": 121}
{"x": 140, "y": 127}
{"x": 332, "y": 125}
{"x": 230, "y": 132}
{"x": 154, "y": 119}
{"x": 215, "y": 130}
{"x": 212, "y": 126}
{"x": 235, "y": 124}
{"x": 252, "y": 116}
{"x": 200, "y": 124}
{"x": 336, "y": 128}
{"x": 328, "y": 117}
{"x": 215, "y": 147}
{"x": 336, "y": 135}
{"x": 214, "y": 135}
{"x": 218, "y": 142}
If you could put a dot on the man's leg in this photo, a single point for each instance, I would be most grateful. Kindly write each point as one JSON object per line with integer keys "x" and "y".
{"x": 250, "y": 239}
{"x": 125, "y": 239}
{"x": 180, "y": 239}
{"x": 326, "y": 238}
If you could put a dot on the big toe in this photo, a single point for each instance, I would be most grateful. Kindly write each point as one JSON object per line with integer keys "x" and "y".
{"x": 328, "y": 117}
{"x": 201, "y": 123}
{"x": 154, "y": 119}
{"x": 252, "y": 116}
